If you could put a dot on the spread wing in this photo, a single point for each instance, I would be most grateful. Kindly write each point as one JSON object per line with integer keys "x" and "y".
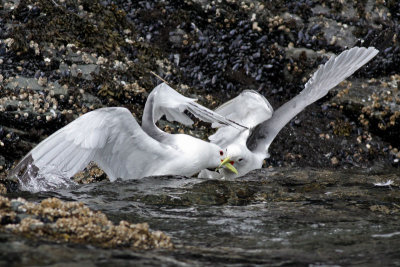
{"x": 111, "y": 137}
{"x": 334, "y": 71}
{"x": 249, "y": 108}
{"x": 164, "y": 100}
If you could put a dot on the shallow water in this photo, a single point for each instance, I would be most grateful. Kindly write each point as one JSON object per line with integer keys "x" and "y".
{"x": 276, "y": 217}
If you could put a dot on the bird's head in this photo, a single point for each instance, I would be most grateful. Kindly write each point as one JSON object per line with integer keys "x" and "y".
{"x": 212, "y": 155}
{"x": 234, "y": 162}
{"x": 219, "y": 155}
{"x": 242, "y": 159}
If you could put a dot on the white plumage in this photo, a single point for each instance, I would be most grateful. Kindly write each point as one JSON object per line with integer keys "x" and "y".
{"x": 113, "y": 139}
{"x": 163, "y": 100}
{"x": 249, "y": 109}
{"x": 249, "y": 148}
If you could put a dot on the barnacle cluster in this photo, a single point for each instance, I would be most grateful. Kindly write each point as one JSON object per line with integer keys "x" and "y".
{"x": 55, "y": 220}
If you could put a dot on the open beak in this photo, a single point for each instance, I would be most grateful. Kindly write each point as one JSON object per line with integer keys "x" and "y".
{"x": 226, "y": 163}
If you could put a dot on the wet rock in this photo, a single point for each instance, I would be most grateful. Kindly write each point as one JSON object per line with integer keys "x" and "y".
{"x": 82, "y": 71}
{"x": 23, "y": 82}
{"x": 92, "y": 174}
{"x": 375, "y": 103}
{"x": 16, "y": 206}
{"x": 333, "y": 32}
{"x": 345, "y": 10}
{"x": 296, "y": 53}
{"x": 269, "y": 217}
{"x": 73, "y": 222}
{"x": 292, "y": 21}
{"x": 177, "y": 37}
{"x": 271, "y": 185}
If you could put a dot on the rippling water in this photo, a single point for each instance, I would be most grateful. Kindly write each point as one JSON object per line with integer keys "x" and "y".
{"x": 279, "y": 217}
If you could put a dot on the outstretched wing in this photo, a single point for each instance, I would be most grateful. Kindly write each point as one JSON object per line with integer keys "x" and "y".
{"x": 334, "y": 71}
{"x": 249, "y": 108}
{"x": 166, "y": 101}
{"x": 111, "y": 137}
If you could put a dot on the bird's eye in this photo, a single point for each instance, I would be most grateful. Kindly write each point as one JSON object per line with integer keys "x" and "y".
{"x": 221, "y": 152}
{"x": 240, "y": 160}
{"x": 232, "y": 162}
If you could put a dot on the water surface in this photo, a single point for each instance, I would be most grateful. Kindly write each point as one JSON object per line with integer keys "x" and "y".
{"x": 276, "y": 217}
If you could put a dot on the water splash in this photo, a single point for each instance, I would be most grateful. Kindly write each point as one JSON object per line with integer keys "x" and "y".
{"x": 47, "y": 178}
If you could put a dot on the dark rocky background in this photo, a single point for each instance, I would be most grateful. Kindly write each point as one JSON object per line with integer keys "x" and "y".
{"x": 59, "y": 59}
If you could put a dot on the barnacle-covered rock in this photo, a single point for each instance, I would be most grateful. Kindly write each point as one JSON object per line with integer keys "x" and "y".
{"x": 56, "y": 220}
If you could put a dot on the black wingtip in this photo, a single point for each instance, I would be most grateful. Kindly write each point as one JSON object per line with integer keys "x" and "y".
{"x": 238, "y": 124}
{"x": 222, "y": 120}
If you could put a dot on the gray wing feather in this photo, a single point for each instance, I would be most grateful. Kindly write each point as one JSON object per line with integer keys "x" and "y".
{"x": 334, "y": 71}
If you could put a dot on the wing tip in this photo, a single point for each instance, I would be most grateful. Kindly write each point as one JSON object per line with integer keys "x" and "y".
{"x": 371, "y": 51}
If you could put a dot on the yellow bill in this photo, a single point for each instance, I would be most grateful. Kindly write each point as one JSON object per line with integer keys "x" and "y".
{"x": 226, "y": 163}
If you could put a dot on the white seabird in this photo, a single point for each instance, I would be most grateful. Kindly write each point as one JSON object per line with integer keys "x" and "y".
{"x": 247, "y": 149}
{"x": 112, "y": 138}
